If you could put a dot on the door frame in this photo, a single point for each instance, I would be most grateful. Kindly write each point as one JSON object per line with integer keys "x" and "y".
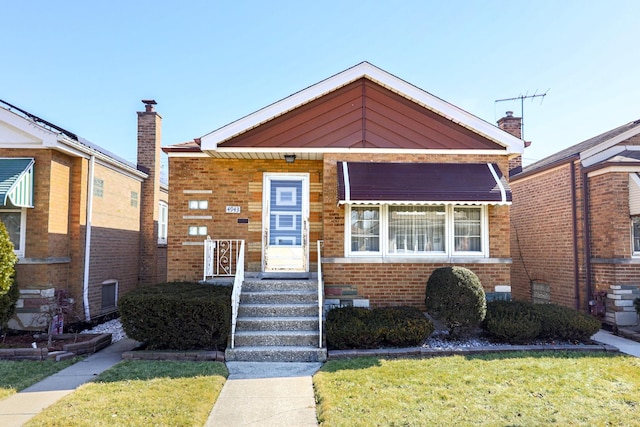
{"x": 266, "y": 200}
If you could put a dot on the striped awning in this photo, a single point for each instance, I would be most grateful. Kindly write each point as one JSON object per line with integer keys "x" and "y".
{"x": 16, "y": 182}
{"x": 422, "y": 183}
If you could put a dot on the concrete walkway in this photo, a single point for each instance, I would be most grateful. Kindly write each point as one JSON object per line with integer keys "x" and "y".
{"x": 267, "y": 395}
{"x": 255, "y": 394}
{"x": 21, "y": 407}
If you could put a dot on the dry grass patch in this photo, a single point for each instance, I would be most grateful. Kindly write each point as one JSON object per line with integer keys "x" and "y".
{"x": 141, "y": 393}
{"x": 524, "y": 389}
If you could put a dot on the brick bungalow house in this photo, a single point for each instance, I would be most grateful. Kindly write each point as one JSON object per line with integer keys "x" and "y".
{"x": 83, "y": 221}
{"x": 575, "y": 236}
{"x": 394, "y": 181}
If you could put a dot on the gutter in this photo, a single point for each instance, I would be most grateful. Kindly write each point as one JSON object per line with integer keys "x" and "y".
{"x": 87, "y": 242}
{"x": 574, "y": 219}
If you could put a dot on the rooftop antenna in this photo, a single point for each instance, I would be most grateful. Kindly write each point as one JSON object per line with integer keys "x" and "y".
{"x": 522, "y": 98}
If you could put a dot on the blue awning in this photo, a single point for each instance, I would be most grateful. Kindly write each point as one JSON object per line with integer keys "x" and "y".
{"x": 16, "y": 182}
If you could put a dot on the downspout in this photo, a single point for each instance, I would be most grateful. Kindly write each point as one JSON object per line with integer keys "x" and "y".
{"x": 574, "y": 218}
{"x": 87, "y": 241}
{"x": 586, "y": 235}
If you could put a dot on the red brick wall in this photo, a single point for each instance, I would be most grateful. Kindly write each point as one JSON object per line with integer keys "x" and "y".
{"x": 389, "y": 284}
{"x": 542, "y": 235}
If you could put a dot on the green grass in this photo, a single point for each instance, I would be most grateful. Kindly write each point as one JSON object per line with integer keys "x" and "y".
{"x": 141, "y": 393}
{"x": 510, "y": 389}
{"x": 16, "y": 375}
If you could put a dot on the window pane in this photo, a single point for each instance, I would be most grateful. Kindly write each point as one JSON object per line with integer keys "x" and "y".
{"x": 365, "y": 229}
{"x": 467, "y": 229}
{"x": 636, "y": 233}
{"x": 11, "y": 221}
{"x": 414, "y": 229}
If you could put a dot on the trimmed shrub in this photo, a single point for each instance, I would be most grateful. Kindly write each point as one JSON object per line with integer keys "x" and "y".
{"x": 455, "y": 296}
{"x": 512, "y": 322}
{"x": 520, "y": 322}
{"x": 357, "y": 327}
{"x": 9, "y": 292}
{"x": 351, "y": 327}
{"x": 563, "y": 323}
{"x": 402, "y": 326}
{"x": 178, "y": 316}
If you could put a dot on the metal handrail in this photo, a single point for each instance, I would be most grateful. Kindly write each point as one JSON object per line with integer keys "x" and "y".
{"x": 237, "y": 290}
{"x": 320, "y": 293}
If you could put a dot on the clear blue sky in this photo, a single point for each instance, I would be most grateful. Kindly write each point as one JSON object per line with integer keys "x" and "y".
{"x": 85, "y": 65}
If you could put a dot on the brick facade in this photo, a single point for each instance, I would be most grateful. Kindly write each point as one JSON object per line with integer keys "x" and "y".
{"x": 56, "y": 231}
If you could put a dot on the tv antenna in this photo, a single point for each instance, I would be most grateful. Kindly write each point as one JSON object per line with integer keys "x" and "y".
{"x": 522, "y": 98}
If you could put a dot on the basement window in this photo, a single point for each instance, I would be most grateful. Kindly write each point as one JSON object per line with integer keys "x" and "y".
{"x": 540, "y": 292}
{"x": 109, "y": 295}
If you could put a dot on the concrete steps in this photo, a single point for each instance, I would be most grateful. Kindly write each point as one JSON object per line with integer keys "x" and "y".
{"x": 277, "y": 322}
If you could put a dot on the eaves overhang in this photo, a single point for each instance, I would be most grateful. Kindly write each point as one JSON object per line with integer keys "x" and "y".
{"x": 213, "y": 141}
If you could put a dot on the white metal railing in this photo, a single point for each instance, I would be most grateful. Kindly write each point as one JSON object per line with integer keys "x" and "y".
{"x": 320, "y": 293}
{"x": 221, "y": 257}
{"x": 235, "y": 294}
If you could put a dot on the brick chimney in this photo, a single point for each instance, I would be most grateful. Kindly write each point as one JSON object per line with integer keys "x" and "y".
{"x": 149, "y": 139}
{"x": 513, "y": 125}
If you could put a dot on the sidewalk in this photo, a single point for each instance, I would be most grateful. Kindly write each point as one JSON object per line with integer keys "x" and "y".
{"x": 624, "y": 345}
{"x": 267, "y": 395}
{"x": 21, "y": 407}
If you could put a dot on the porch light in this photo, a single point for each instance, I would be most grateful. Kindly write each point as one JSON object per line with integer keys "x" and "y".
{"x": 290, "y": 158}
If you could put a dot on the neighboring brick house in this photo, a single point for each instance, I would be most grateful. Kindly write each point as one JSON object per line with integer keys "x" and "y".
{"x": 395, "y": 181}
{"x": 576, "y": 226}
{"x": 83, "y": 221}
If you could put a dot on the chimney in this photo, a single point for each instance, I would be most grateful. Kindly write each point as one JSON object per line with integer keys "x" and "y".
{"x": 149, "y": 139}
{"x": 513, "y": 125}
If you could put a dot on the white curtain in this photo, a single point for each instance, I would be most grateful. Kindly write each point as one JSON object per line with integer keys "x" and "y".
{"x": 466, "y": 229}
{"x": 414, "y": 229}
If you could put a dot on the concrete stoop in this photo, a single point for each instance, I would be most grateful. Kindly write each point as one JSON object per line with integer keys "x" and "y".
{"x": 277, "y": 322}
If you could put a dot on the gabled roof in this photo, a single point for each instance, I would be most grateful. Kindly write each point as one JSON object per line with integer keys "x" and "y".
{"x": 216, "y": 139}
{"x": 590, "y": 151}
{"x": 21, "y": 129}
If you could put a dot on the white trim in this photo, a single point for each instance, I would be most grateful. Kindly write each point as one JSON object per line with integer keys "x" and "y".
{"x": 449, "y": 236}
{"x": 340, "y": 150}
{"x": 503, "y": 192}
{"x": 347, "y": 183}
{"x": 616, "y": 168}
{"x": 197, "y": 191}
{"x": 189, "y": 154}
{"x": 421, "y": 202}
{"x": 593, "y": 151}
{"x": 212, "y": 140}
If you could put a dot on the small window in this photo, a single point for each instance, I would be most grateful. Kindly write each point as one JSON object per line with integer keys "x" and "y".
{"x": 635, "y": 233}
{"x": 540, "y": 293}
{"x": 163, "y": 222}
{"x": 365, "y": 229}
{"x": 14, "y": 221}
{"x": 109, "y": 295}
{"x": 467, "y": 226}
{"x": 98, "y": 187}
{"x": 195, "y": 230}
{"x": 199, "y": 204}
{"x": 134, "y": 199}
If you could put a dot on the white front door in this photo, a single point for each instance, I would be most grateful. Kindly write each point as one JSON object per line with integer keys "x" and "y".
{"x": 285, "y": 223}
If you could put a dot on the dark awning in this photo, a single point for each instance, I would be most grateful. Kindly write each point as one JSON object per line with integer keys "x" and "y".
{"x": 16, "y": 182}
{"x": 422, "y": 183}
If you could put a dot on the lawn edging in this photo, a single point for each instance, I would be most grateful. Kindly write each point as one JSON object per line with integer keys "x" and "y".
{"x": 424, "y": 352}
{"x": 195, "y": 355}
{"x": 97, "y": 343}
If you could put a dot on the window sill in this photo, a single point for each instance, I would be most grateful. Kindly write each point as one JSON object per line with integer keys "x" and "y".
{"x": 416, "y": 260}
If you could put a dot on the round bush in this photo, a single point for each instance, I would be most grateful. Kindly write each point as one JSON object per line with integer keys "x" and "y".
{"x": 455, "y": 296}
{"x": 350, "y": 327}
{"x": 563, "y": 323}
{"x": 402, "y": 326}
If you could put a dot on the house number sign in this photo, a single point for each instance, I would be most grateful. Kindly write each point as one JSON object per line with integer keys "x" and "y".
{"x": 233, "y": 209}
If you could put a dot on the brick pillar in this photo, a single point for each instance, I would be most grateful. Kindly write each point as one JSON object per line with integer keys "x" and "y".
{"x": 512, "y": 125}
{"x": 149, "y": 139}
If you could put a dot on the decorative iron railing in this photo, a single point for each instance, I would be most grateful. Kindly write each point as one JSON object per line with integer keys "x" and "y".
{"x": 221, "y": 257}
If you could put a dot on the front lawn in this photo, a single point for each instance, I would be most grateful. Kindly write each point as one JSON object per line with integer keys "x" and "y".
{"x": 141, "y": 393}
{"x": 524, "y": 389}
{"x": 16, "y": 375}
